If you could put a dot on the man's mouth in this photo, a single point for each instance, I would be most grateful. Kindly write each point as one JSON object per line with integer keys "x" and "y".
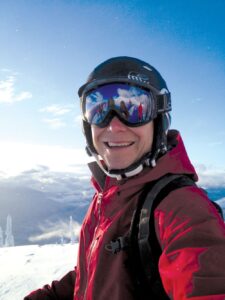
{"x": 118, "y": 145}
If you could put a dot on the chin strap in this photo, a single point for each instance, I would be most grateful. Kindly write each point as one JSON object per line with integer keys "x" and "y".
{"x": 120, "y": 174}
{"x": 149, "y": 160}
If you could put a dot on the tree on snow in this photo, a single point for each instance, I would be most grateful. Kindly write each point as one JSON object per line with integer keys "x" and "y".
{"x": 1, "y": 237}
{"x": 72, "y": 235}
{"x": 9, "y": 240}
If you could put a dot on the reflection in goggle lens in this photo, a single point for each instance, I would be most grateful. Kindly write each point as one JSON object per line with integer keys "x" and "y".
{"x": 132, "y": 104}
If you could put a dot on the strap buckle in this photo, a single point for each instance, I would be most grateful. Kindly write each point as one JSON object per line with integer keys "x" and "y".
{"x": 117, "y": 245}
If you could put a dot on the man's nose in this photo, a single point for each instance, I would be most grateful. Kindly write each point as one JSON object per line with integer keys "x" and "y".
{"x": 116, "y": 125}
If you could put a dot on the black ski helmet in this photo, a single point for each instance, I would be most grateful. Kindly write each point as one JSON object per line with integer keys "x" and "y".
{"x": 134, "y": 71}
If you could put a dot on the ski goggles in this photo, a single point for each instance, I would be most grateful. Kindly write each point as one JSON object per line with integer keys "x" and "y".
{"x": 133, "y": 105}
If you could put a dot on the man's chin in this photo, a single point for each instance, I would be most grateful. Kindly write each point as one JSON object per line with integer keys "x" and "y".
{"x": 118, "y": 166}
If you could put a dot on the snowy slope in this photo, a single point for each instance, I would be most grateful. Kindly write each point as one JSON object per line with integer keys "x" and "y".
{"x": 26, "y": 268}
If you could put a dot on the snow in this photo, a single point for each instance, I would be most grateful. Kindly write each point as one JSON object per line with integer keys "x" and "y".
{"x": 26, "y": 268}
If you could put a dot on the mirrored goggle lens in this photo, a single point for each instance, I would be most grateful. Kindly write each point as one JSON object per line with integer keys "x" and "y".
{"x": 132, "y": 104}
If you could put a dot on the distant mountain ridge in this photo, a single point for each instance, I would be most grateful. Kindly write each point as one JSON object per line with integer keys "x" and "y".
{"x": 216, "y": 193}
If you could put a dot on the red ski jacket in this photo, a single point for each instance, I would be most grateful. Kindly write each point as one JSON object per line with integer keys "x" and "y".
{"x": 190, "y": 232}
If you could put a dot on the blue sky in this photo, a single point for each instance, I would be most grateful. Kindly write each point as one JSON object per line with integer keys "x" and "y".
{"x": 49, "y": 47}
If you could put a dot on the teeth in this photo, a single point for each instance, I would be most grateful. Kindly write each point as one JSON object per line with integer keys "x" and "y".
{"x": 118, "y": 144}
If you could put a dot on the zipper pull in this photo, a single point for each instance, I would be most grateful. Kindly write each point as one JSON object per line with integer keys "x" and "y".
{"x": 99, "y": 200}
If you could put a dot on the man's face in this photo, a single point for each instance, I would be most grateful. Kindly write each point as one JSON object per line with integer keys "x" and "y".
{"x": 119, "y": 145}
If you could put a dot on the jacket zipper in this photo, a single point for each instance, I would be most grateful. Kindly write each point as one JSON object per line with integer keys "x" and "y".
{"x": 93, "y": 243}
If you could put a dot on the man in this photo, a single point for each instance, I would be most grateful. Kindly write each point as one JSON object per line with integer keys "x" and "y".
{"x": 131, "y": 154}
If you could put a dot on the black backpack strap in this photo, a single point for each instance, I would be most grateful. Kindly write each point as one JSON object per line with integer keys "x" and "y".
{"x": 148, "y": 245}
{"x": 152, "y": 199}
{"x": 219, "y": 209}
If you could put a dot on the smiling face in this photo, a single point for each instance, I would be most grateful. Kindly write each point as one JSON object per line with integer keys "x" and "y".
{"x": 119, "y": 145}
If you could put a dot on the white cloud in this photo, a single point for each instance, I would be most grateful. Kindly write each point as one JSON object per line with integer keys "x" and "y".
{"x": 23, "y": 96}
{"x": 55, "y": 123}
{"x": 56, "y": 230}
{"x": 57, "y": 110}
{"x": 6, "y": 70}
{"x": 197, "y": 99}
{"x": 8, "y": 93}
{"x": 215, "y": 144}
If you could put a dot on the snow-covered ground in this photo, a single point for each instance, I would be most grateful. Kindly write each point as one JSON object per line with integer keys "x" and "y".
{"x": 26, "y": 268}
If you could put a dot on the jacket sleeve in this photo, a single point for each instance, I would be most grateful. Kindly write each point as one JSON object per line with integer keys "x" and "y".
{"x": 192, "y": 238}
{"x": 59, "y": 290}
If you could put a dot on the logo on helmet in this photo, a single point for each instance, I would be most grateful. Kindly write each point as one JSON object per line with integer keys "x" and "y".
{"x": 138, "y": 77}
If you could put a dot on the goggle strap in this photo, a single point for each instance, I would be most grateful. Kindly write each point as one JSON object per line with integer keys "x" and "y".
{"x": 163, "y": 103}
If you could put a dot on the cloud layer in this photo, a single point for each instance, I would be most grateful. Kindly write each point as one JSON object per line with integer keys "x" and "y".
{"x": 45, "y": 199}
{"x": 210, "y": 177}
{"x": 30, "y": 156}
